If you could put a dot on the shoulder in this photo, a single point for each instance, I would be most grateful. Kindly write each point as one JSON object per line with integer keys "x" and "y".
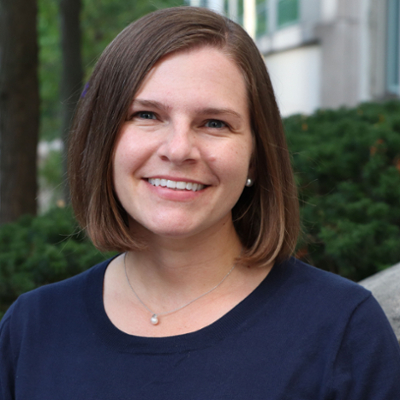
{"x": 71, "y": 286}
{"x": 319, "y": 297}
{"x": 346, "y": 323}
{"x": 53, "y": 301}
{"x": 349, "y": 310}
{"x": 315, "y": 283}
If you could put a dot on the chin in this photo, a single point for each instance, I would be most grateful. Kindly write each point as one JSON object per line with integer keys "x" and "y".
{"x": 174, "y": 233}
{"x": 183, "y": 228}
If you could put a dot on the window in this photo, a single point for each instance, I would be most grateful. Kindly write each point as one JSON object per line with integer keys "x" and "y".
{"x": 393, "y": 52}
{"x": 226, "y": 7}
{"x": 271, "y": 15}
{"x": 196, "y": 3}
{"x": 262, "y": 23}
{"x": 240, "y": 12}
{"x": 288, "y": 12}
{"x": 275, "y": 14}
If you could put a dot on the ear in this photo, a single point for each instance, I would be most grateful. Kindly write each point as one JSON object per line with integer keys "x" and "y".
{"x": 252, "y": 169}
{"x": 252, "y": 164}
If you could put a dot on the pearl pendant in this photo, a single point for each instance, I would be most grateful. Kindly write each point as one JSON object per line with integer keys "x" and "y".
{"x": 154, "y": 319}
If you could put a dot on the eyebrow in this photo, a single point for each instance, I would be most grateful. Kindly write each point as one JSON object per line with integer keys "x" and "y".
{"x": 219, "y": 111}
{"x": 202, "y": 111}
{"x": 150, "y": 103}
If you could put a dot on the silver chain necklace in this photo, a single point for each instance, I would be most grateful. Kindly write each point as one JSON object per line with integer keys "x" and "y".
{"x": 155, "y": 317}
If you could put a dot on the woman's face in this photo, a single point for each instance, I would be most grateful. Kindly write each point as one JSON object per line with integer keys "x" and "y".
{"x": 182, "y": 157}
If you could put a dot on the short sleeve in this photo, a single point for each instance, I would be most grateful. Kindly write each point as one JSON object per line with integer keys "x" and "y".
{"x": 6, "y": 358}
{"x": 367, "y": 364}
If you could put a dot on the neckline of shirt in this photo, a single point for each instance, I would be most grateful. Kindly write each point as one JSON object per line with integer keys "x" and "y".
{"x": 240, "y": 317}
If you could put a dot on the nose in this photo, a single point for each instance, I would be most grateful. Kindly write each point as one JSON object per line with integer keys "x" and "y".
{"x": 179, "y": 144}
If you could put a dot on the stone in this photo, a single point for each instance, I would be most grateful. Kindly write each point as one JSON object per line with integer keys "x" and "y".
{"x": 385, "y": 286}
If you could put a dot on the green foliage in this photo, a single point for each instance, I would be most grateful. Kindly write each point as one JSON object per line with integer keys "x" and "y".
{"x": 49, "y": 68}
{"x": 35, "y": 251}
{"x": 347, "y": 166}
{"x": 51, "y": 180}
{"x": 102, "y": 20}
{"x": 51, "y": 170}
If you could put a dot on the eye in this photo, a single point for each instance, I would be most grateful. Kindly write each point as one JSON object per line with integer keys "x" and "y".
{"x": 215, "y": 123}
{"x": 146, "y": 115}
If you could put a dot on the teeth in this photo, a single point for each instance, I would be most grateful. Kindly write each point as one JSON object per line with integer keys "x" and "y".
{"x": 171, "y": 184}
{"x": 176, "y": 185}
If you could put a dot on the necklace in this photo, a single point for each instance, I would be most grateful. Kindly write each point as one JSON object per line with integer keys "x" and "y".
{"x": 155, "y": 317}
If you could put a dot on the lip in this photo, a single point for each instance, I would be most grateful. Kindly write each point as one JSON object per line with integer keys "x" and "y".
{"x": 175, "y": 195}
{"x": 176, "y": 185}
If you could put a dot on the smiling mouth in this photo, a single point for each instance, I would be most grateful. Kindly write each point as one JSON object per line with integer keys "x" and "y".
{"x": 176, "y": 185}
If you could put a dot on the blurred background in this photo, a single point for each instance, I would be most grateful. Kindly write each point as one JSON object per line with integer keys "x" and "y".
{"x": 335, "y": 67}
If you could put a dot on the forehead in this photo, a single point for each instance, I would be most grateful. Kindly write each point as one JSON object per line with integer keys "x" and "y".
{"x": 206, "y": 73}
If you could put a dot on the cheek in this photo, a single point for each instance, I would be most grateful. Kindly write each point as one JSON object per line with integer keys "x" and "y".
{"x": 120, "y": 153}
{"x": 131, "y": 152}
{"x": 232, "y": 163}
{"x": 126, "y": 161}
{"x": 121, "y": 166}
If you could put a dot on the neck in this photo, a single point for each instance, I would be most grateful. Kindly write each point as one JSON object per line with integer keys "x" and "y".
{"x": 185, "y": 265}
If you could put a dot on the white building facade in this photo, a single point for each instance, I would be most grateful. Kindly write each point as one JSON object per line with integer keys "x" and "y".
{"x": 323, "y": 53}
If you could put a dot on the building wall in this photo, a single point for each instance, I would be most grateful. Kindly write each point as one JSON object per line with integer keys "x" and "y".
{"x": 295, "y": 76}
{"x": 377, "y": 30}
{"x": 340, "y": 39}
{"x": 353, "y": 56}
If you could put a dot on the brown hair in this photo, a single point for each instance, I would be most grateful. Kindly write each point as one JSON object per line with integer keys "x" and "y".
{"x": 266, "y": 215}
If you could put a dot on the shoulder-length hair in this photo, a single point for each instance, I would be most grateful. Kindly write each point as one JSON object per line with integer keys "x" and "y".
{"x": 266, "y": 215}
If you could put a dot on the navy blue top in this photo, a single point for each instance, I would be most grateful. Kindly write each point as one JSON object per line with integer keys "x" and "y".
{"x": 302, "y": 334}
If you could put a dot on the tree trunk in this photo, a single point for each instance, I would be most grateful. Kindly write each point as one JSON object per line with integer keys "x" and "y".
{"x": 72, "y": 71}
{"x": 19, "y": 108}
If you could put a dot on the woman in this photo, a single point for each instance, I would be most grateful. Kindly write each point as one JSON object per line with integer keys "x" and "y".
{"x": 178, "y": 161}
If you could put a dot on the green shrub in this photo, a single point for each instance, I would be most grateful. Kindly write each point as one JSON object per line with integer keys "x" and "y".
{"x": 35, "y": 251}
{"x": 347, "y": 167}
{"x": 50, "y": 179}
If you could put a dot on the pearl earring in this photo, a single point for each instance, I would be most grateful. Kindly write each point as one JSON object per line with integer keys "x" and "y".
{"x": 249, "y": 182}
